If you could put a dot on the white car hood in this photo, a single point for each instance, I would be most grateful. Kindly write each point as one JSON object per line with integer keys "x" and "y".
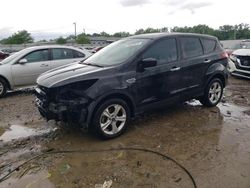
{"x": 242, "y": 52}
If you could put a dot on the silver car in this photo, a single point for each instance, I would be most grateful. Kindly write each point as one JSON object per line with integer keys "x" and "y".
{"x": 21, "y": 69}
{"x": 239, "y": 63}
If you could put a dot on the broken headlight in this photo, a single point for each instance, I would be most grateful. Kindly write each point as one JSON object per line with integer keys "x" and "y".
{"x": 74, "y": 91}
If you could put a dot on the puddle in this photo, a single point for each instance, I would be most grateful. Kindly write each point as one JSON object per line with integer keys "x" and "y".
{"x": 18, "y": 131}
{"x": 228, "y": 110}
{"x": 233, "y": 111}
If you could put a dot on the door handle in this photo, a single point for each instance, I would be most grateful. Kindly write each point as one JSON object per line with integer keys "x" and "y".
{"x": 44, "y": 65}
{"x": 207, "y": 61}
{"x": 175, "y": 69}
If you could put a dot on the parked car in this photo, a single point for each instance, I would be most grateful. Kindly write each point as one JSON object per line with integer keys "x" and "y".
{"x": 239, "y": 64}
{"x": 3, "y": 55}
{"x": 22, "y": 68}
{"x": 132, "y": 76}
{"x": 96, "y": 49}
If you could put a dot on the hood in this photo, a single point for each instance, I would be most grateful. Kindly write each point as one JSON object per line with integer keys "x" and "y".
{"x": 69, "y": 74}
{"x": 242, "y": 52}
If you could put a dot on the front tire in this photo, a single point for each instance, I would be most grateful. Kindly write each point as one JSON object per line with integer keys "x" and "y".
{"x": 111, "y": 118}
{"x": 3, "y": 88}
{"x": 213, "y": 93}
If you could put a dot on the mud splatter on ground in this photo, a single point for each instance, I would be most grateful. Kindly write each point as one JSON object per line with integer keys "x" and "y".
{"x": 212, "y": 143}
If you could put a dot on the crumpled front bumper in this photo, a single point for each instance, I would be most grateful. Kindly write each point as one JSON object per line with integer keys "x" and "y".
{"x": 62, "y": 110}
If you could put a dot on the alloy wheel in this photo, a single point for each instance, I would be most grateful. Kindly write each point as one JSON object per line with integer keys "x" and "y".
{"x": 113, "y": 119}
{"x": 215, "y": 92}
{"x": 1, "y": 88}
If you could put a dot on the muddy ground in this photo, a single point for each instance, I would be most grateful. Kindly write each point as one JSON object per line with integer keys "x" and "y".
{"x": 213, "y": 144}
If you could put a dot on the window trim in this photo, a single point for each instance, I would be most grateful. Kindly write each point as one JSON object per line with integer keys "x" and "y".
{"x": 181, "y": 47}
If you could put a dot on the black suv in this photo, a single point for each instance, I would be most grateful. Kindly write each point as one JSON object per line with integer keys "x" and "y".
{"x": 131, "y": 76}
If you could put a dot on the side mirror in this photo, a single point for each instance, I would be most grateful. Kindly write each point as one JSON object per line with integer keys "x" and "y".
{"x": 146, "y": 63}
{"x": 23, "y": 61}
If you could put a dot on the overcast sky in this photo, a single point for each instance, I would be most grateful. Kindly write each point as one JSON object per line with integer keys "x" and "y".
{"x": 51, "y": 18}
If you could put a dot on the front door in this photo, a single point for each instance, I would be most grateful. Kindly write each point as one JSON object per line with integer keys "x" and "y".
{"x": 26, "y": 74}
{"x": 161, "y": 82}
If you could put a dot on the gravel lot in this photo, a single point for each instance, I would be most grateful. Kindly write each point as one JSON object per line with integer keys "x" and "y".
{"x": 213, "y": 144}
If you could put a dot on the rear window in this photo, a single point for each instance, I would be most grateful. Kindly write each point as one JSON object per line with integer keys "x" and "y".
{"x": 78, "y": 54}
{"x": 61, "y": 53}
{"x": 191, "y": 47}
{"x": 208, "y": 45}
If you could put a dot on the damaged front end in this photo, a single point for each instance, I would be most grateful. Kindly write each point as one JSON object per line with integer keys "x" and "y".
{"x": 68, "y": 103}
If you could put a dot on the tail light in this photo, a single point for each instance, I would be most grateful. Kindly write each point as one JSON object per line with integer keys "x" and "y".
{"x": 224, "y": 55}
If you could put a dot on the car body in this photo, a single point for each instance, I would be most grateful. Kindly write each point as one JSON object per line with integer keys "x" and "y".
{"x": 239, "y": 63}
{"x": 3, "y": 55}
{"x": 131, "y": 76}
{"x": 23, "y": 68}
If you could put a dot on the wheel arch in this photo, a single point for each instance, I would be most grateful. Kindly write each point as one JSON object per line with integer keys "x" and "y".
{"x": 218, "y": 75}
{"x": 219, "y": 71}
{"x": 6, "y": 81}
{"x": 120, "y": 95}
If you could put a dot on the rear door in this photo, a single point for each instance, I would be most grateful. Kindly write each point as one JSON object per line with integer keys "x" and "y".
{"x": 162, "y": 81}
{"x": 26, "y": 74}
{"x": 64, "y": 56}
{"x": 193, "y": 65}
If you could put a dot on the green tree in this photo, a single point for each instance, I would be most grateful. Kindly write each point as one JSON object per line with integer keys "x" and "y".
{"x": 140, "y": 31}
{"x": 21, "y": 37}
{"x": 71, "y": 37}
{"x": 104, "y": 34}
{"x": 82, "y": 39}
{"x": 61, "y": 40}
{"x": 121, "y": 34}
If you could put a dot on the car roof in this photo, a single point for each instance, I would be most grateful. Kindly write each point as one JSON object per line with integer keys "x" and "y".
{"x": 154, "y": 36}
{"x": 51, "y": 46}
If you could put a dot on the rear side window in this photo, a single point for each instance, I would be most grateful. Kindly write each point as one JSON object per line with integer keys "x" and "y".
{"x": 78, "y": 54}
{"x": 191, "y": 47}
{"x": 164, "y": 51}
{"x": 208, "y": 45}
{"x": 61, "y": 53}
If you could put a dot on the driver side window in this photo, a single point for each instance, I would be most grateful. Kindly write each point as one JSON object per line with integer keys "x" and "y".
{"x": 163, "y": 51}
{"x": 37, "y": 56}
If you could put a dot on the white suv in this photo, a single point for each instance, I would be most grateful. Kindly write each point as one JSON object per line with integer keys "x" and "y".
{"x": 22, "y": 68}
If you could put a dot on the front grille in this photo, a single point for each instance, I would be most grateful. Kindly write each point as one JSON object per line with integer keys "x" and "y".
{"x": 243, "y": 63}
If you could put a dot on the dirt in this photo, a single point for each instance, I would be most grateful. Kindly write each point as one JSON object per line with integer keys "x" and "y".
{"x": 213, "y": 144}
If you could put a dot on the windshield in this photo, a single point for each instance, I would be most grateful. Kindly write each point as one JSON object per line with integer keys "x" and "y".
{"x": 12, "y": 57}
{"x": 8, "y": 59}
{"x": 117, "y": 52}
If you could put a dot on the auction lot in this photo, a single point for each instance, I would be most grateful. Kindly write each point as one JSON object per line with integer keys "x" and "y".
{"x": 213, "y": 144}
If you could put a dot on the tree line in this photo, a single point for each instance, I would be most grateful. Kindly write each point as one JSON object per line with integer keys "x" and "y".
{"x": 225, "y": 32}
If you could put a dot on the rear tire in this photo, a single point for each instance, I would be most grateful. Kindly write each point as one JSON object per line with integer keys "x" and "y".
{"x": 111, "y": 119}
{"x": 213, "y": 93}
{"x": 3, "y": 88}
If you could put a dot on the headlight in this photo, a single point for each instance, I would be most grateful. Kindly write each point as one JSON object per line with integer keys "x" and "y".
{"x": 233, "y": 58}
{"x": 75, "y": 90}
